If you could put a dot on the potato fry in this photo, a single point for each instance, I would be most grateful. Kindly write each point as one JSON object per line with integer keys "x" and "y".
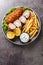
{"x": 38, "y": 23}
{"x": 28, "y": 27}
{"x": 35, "y": 23}
{"x": 31, "y": 29}
{"x": 32, "y": 14}
{"x": 34, "y": 34}
{"x": 35, "y": 20}
{"x": 28, "y": 31}
{"x": 31, "y": 32}
{"x": 23, "y": 30}
{"x": 34, "y": 28}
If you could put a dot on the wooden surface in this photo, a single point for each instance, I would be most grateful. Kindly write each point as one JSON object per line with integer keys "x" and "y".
{"x": 11, "y": 54}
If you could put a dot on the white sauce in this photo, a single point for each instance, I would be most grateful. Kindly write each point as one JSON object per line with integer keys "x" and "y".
{"x": 24, "y": 37}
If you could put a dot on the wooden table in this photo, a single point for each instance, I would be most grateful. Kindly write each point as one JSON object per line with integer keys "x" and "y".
{"x": 11, "y": 54}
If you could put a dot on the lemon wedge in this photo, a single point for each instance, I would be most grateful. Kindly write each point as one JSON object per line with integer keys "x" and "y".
{"x": 10, "y": 34}
{"x": 17, "y": 31}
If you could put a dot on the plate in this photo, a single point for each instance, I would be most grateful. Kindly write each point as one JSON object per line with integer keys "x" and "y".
{"x": 17, "y": 40}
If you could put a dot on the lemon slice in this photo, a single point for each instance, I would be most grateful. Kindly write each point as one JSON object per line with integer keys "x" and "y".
{"x": 17, "y": 31}
{"x": 10, "y": 34}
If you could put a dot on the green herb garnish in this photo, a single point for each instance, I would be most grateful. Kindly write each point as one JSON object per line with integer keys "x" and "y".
{"x": 25, "y": 8}
{"x": 4, "y": 26}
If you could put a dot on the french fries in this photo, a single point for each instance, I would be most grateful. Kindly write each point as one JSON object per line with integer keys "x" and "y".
{"x": 38, "y": 23}
{"x": 34, "y": 34}
{"x": 32, "y": 14}
{"x": 31, "y": 33}
{"x": 28, "y": 25}
{"x": 32, "y": 25}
